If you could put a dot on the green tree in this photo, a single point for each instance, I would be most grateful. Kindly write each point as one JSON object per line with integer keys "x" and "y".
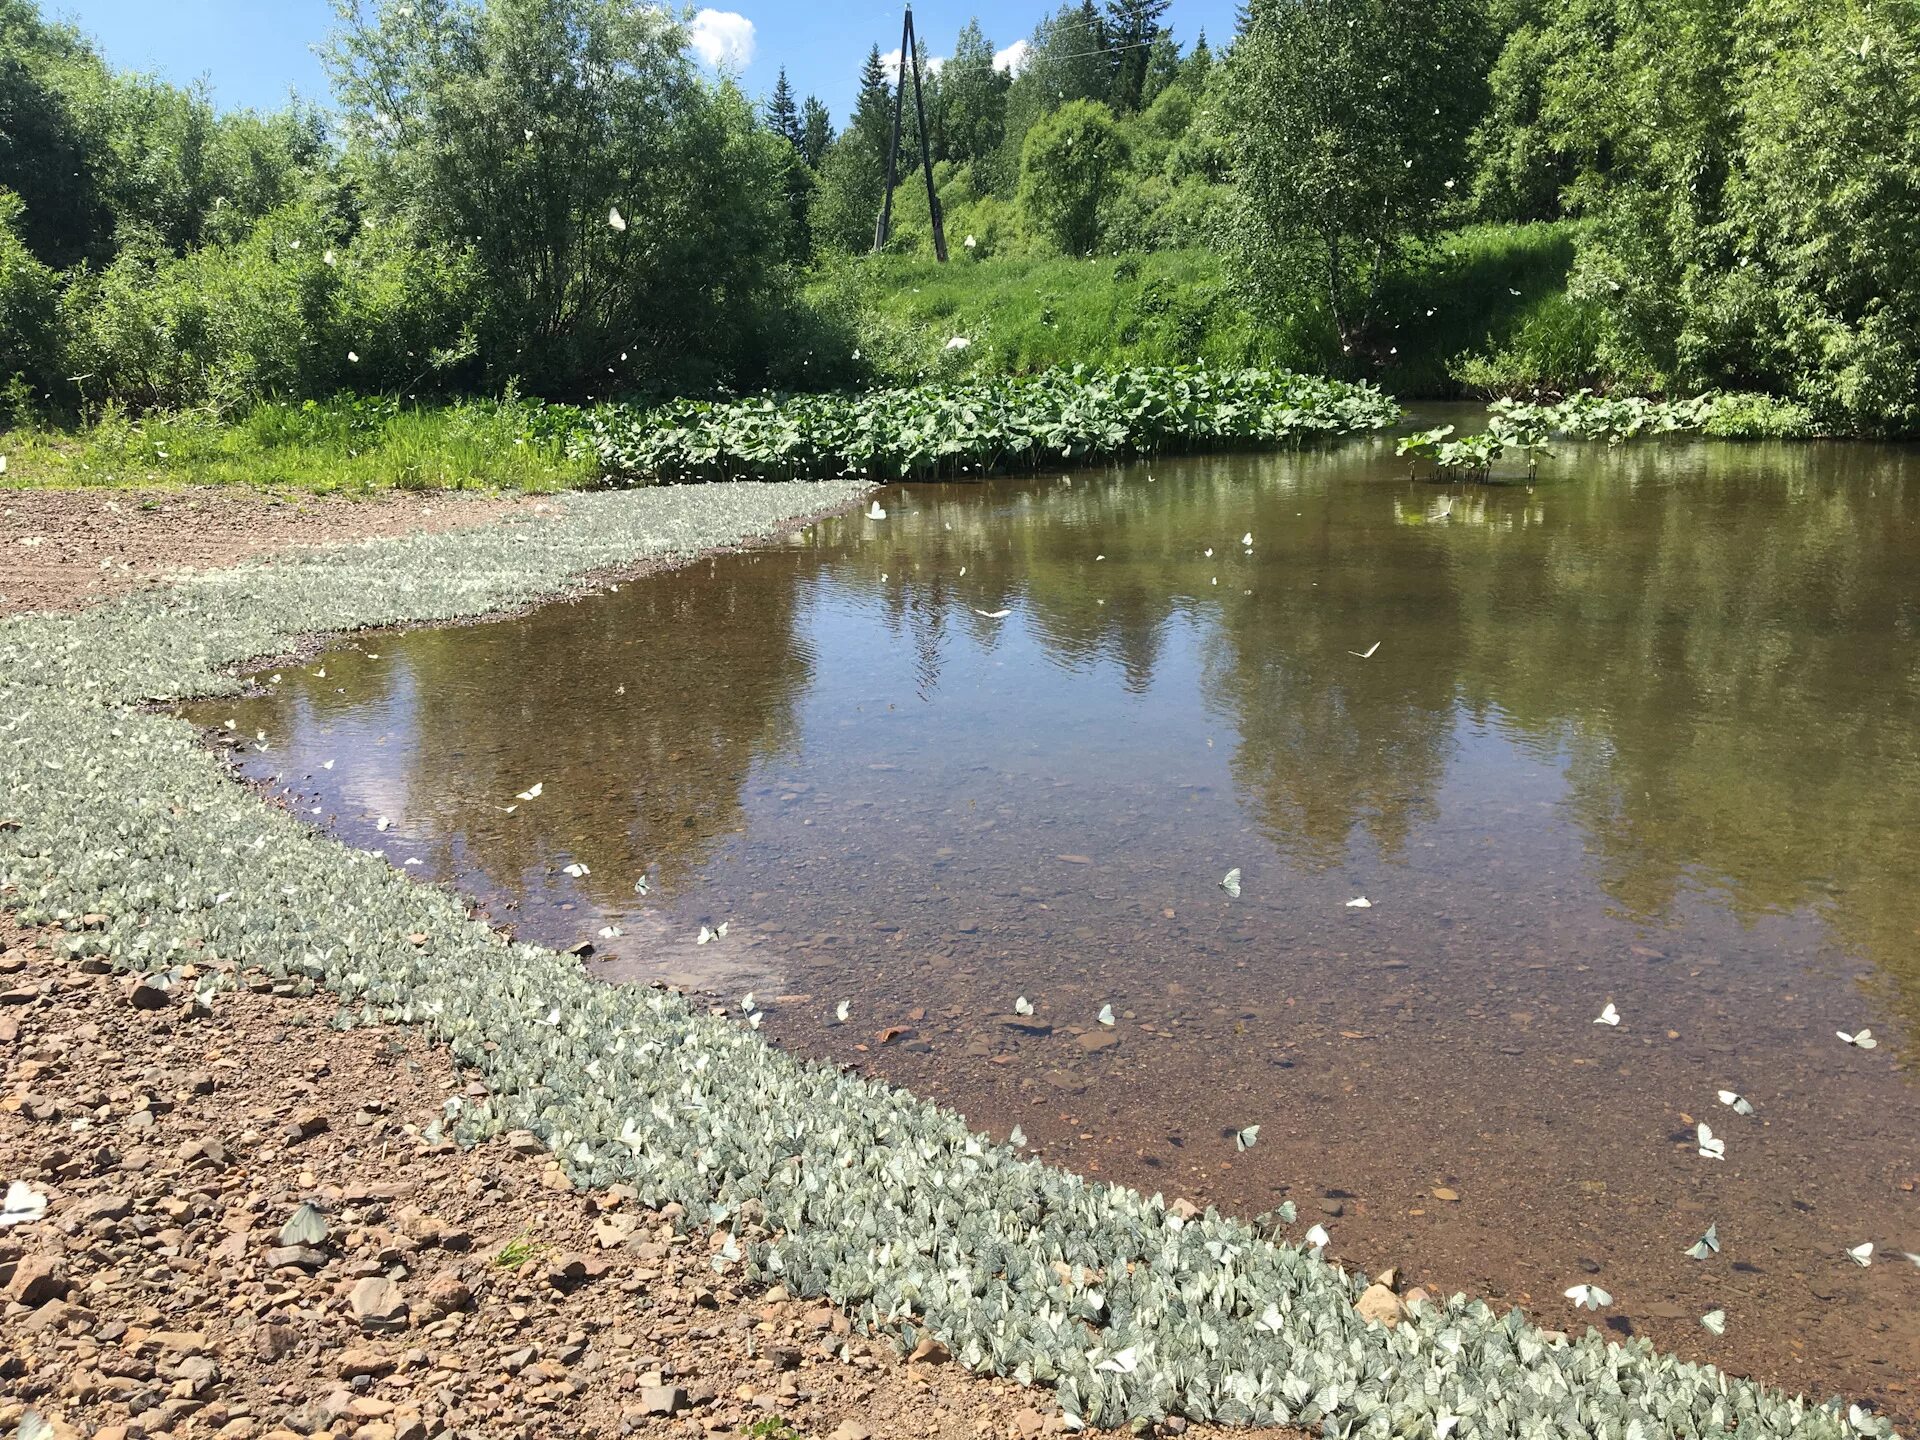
{"x": 1068, "y": 167}
{"x": 1350, "y": 118}
{"x": 975, "y": 95}
{"x": 782, "y": 114}
{"x": 1133, "y": 32}
{"x": 32, "y": 338}
{"x": 625, "y": 214}
{"x": 816, "y": 131}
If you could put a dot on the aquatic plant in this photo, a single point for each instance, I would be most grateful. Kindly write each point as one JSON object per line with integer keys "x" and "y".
{"x": 1614, "y": 419}
{"x": 975, "y": 428}
{"x": 120, "y": 831}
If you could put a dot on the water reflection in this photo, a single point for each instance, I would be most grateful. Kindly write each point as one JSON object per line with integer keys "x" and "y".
{"x": 1648, "y": 731}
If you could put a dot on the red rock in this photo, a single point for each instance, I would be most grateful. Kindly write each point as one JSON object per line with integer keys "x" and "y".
{"x": 38, "y": 1279}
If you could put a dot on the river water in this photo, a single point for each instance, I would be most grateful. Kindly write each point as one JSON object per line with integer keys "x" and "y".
{"x": 1645, "y": 732}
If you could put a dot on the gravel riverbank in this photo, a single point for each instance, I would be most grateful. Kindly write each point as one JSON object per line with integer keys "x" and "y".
{"x": 120, "y": 832}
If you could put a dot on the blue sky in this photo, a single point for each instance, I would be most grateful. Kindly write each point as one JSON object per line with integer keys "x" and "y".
{"x": 253, "y": 52}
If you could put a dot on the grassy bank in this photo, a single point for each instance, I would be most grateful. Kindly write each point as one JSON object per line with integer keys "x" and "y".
{"x": 1484, "y": 309}
{"x": 347, "y": 445}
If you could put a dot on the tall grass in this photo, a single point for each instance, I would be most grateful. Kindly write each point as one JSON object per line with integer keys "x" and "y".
{"x": 347, "y": 445}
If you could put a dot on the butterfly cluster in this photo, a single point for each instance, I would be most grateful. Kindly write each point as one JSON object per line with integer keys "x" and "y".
{"x": 835, "y": 1185}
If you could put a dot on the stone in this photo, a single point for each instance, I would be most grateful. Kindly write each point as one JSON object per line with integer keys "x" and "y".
{"x": 204, "y": 1154}
{"x": 662, "y": 1400}
{"x": 1329, "y": 1206}
{"x": 408, "y": 1425}
{"x": 358, "y": 1361}
{"x": 447, "y": 1293}
{"x": 1380, "y": 1306}
{"x": 270, "y": 1342}
{"x": 98, "y": 1208}
{"x": 144, "y": 994}
{"x": 378, "y": 1304}
{"x": 930, "y": 1351}
{"x": 38, "y": 1279}
{"x": 564, "y": 1272}
{"x": 1095, "y": 1041}
{"x": 524, "y": 1142}
{"x": 295, "y": 1257}
{"x": 853, "y": 1430}
{"x": 304, "y": 1126}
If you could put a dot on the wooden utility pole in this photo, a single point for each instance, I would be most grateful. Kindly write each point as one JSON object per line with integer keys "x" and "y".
{"x": 884, "y": 228}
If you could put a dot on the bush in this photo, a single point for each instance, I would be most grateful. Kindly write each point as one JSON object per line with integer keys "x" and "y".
{"x": 291, "y": 310}
{"x": 1068, "y": 164}
{"x": 32, "y": 332}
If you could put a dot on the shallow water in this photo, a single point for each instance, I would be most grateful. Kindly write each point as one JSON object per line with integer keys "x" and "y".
{"x": 1646, "y": 732}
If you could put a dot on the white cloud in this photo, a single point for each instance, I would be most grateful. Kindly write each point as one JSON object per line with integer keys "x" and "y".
{"x": 890, "y": 62}
{"x": 722, "y": 38}
{"x": 1013, "y": 59}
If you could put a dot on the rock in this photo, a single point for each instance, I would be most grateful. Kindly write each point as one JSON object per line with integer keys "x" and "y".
{"x": 270, "y": 1342}
{"x": 853, "y": 1430}
{"x": 145, "y": 994}
{"x": 1030, "y": 1423}
{"x": 363, "y": 1362}
{"x": 446, "y": 1294}
{"x": 377, "y": 1304}
{"x": 1447, "y": 1193}
{"x": 1095, "y": 1041}
{"x": 304, "y": 1126}
{"x": 612, "y": 1230}
{"x": 565, "y": 1272}
{"x": 1416, "y": 1296}
{"x": 1380, "y": 1306}
{"x": 524, "y": 1142}
{"x": 99, "y": 1208}
{"x": 930, "y": 1351}
{"x": 662, "y": 1400}
{"x": 38, "y": 1279}
{"x": 1184, "y": 1208}
{"x": 295, "y": 1257}
{"x": 1330, "y": 1206}
{"x": 204, "y": 1154}
{"x": 408, "y": 1425}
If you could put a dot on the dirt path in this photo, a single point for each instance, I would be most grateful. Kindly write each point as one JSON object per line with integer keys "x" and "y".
{"x": 64, "y": 548}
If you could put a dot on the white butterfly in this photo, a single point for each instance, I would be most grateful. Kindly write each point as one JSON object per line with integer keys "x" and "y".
{"x": 640, "y": 886}
{"x": 1244, "y": 1139}
{"x": 1023, "y": 1006}
{"x": 1231, "y": 883}
{"x": 326, "y": 765}
{"x": 1367, "y": 654}
{"x": 1860, "y": 1420}
{"x": 746, "y": 1002}
{"x": 1861, "y": 1255}
{"x": 610, "y": 932}
{"x": 1588, "y": 1297}
{"x": 756, "y": 1017}
{"x": 720, "y": 931}
{"x": 1106, "y": 1015}
{"x": 1608, "y": 1016}
{"x": 1707, "y": 1244}
{"x": 876, "y": 513}
{"x": 1711, "y": 1148}
{"x": 383, "y": 824}
{"x": 993, "y": 614}
{"x": 1443, "y": 1426}
{"x": 705, "y": 936}
{"x": 1125, "y": 1362}
{"x": 1209, "y": 552}
{"x": 1247, "y": 539}
{"x": 1715, "y": 1321}
{"x": 842, "y": 1010}
{"x": 1360, "y": 903}
{"x": 1016, "y": 1137}
{"x": 1862, "y": 1041}
{"x": 616, "y": 219}
{"x": 22, "y": 1206}
{"x": 532, "y": 792}
{"x": 1741, "y": 1105}
{"x": 1318, "y": 1237}
{"x": 576, "y": 870}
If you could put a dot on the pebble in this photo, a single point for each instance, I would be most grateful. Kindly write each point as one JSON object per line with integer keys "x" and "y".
{"x": 378, "y": 1304}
